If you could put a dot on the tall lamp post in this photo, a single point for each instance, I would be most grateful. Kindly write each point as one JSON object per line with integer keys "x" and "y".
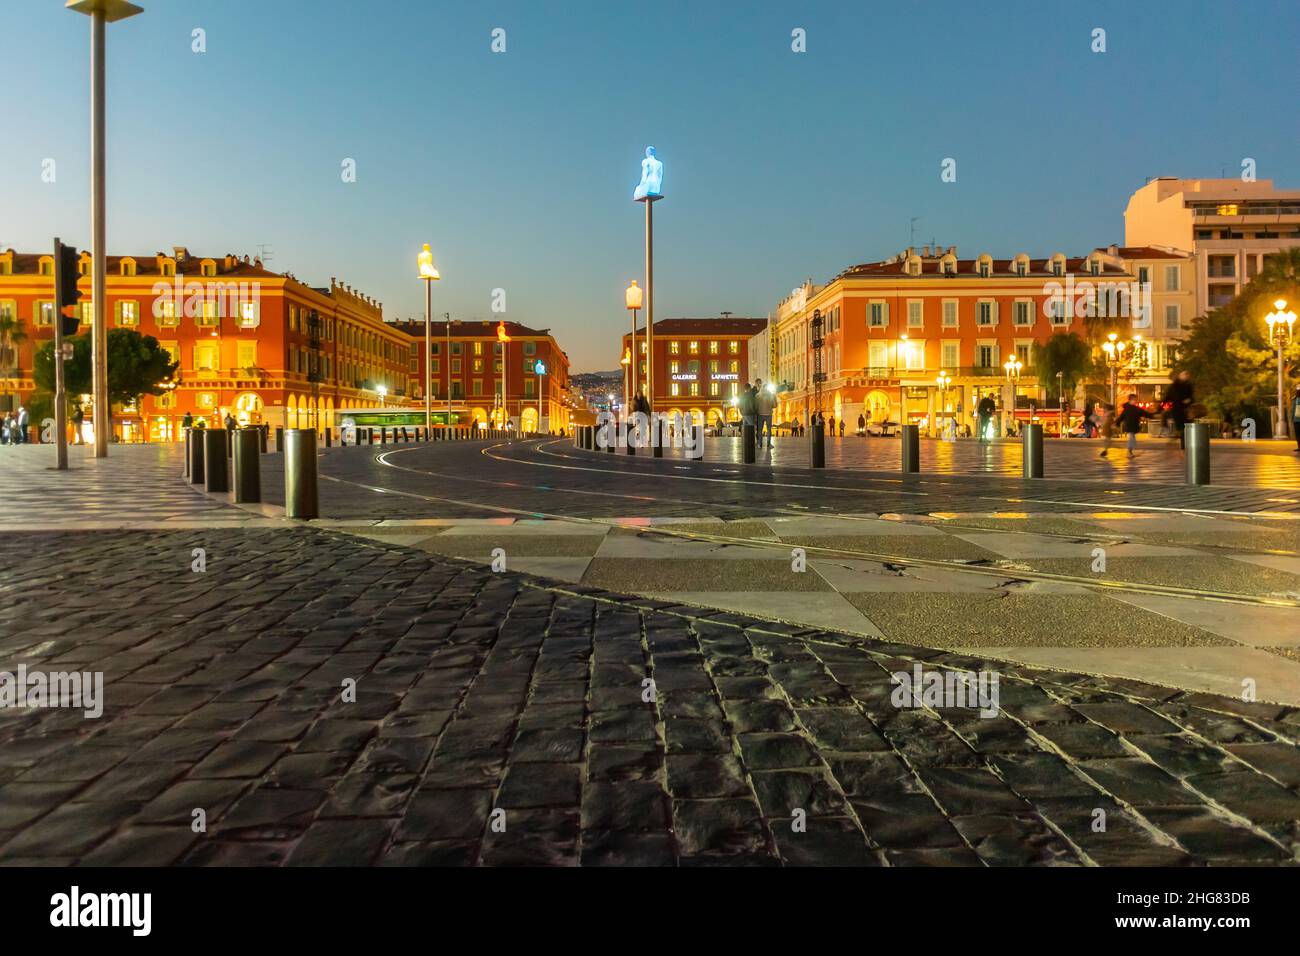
{"x": 942, "y": 381}
{"x": 1013, "y": 366}
{"x": 626, "y": 362}
{"x": 430, "y": 275}
{"x": 634, "y": 298}
{"x": 1280, "y": 322}
{"x": 650, "y": 191}
{"x": 540, "y": 369}
{"x": 101, "y": 12}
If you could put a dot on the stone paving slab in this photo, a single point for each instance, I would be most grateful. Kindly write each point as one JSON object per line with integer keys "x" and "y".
{"x": 503, "y": 720}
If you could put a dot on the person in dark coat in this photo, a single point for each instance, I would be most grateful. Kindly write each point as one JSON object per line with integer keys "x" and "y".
{"x": 1180, "y": 396}
{"x": 1129, "y": 420}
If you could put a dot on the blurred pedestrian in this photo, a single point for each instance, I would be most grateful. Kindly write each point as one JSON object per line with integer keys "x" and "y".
{"x": 1129, "y": 420}
{"x": 1180, "y": 396}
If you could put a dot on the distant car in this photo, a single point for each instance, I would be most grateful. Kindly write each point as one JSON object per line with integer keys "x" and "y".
{"x": 882, "y": 429}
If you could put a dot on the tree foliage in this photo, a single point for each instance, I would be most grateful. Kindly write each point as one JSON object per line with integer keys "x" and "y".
{"x": 137, "y": 366}
{"x": 1228, "y": 351}
{"x": 1067, "y": 353}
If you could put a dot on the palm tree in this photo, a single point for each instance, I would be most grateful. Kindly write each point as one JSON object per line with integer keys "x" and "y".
{"x": 11, "y": 335}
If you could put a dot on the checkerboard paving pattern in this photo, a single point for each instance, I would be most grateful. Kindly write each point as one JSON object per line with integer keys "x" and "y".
{"x": 1176, "y": 640}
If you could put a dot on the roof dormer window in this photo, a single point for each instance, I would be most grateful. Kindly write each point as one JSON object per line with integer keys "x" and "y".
{"x": 46, "y": 266}
{"x": 208, "y": 268}
{"x": 127, "y": 266}
{"x": 914, "y": 265}
{"x": 1058, "y": 265}
{"x": 984, "y": 266}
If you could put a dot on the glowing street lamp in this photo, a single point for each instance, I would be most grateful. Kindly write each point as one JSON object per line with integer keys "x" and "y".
{"x": 383, "y": 393}
{"x": 1114, "y": 347}
{"x": 430, "y": 275}
{"x": 634, "y": 297}
{"x": 1280, "y": 322}
{"x": 540, "y": 369}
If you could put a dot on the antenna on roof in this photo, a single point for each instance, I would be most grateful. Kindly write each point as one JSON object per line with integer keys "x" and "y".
{"x": 265, "y": 252}
{"x": 912, "y": 234}
{"x": 726, "y": 315}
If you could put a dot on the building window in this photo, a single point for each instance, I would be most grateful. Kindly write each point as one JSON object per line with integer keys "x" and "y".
{"x": 476, "y": 366}
{"x": 674, "y": 367}
{"x": 246, "y": 354}
{"x": 530, "y": 348}
{"x": 1023, "y": 312}
{"x": 46, "y": 267}
{"x": 915, "y": 315}
{"x": 693, "y": 366}
{"x": 207, "y": 357}
{"x": 1172, "y": 278}
{"x": 456, "y": 350}
{"x": 986, "y": 356}
{"x": 249, "y": 315}
{"x": 478, "y": 386}
{"x": 529, "y": 390}
{"x": 166, "y": 312}
{"x": 984, "y": 313}
{"x": 1173, "y": 318}
{"x": 715, "y": 388}
{"x": 206, "y": 400}
{"x": 713, "y": 348}
{"x": 674, "y": 347}
{"x": 1055, "y": 311}
{"x": 128, "y": 312}
{"x": 435, "y": 365}
{"x": 207, "y": 268}
{"x": 695, "y": 348}
{"x": 455, "y": 366}
{"x": 734, "y": 366}
{"x": 1144, "y": 274}
{"x": 950, "y": 314}
{"x": 675, "y": 389}
{"x": 949, "y": 355}
{"x": 733, "y": 347}
{"x": 207, "y": 313}
{"x": 695, "y": 388}
{"x": 44, "y": 313}
{"x": 878, "y": 314}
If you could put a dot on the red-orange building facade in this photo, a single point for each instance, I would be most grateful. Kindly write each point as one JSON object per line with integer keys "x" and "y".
{"x": 890, "y": 328}
{"x": 699, "y": 365}
{"x": 468, "y": 358}
{"x": 247, "y": 339}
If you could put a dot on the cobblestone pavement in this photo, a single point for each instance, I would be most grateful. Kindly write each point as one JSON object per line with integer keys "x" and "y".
{"x": 487, "y": 699}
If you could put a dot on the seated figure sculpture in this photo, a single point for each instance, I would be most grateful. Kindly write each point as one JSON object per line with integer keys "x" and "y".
{"x": 652, "y": 176}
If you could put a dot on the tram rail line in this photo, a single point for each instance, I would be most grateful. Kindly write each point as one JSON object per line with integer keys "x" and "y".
{"x": 879, "y": 557}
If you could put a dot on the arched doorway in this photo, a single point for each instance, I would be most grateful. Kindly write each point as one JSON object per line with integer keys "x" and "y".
{"x": 528, "y": 420}
{"x": 291, "y": 412}
{"x": 478, "y": 416}
{"x": 878, "y": 406}
{"x": 697, "y": 416}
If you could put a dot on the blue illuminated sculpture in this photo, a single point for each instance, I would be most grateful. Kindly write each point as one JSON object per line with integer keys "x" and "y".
{"x": 652, "y": 177}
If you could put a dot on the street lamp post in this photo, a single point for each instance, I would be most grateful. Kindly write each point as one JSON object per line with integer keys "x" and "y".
{"x": 1280, "y": 322}
{"x": 650, "y": 191}
{"x": 1114, "y": 347}
{"x": 430, "y": 275}
{"x": 101, "y": 12}
{"x": 540, "y": 369}
{"x": 634, "y": 298}
{"x": 942, "y": 381}
{"x": 1013, "y": 366}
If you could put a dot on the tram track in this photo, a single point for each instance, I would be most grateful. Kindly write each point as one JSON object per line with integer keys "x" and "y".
{"x": 1009, "y": 574}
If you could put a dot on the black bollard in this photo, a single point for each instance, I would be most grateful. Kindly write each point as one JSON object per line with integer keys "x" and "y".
{"x": 817, "y": 442}
{"x": 1031, "y": 440}
{"x": 216, "y": 472}
{"x": 248, "y": 476}
{"x": 910, "y": 452}
{"x": 747, "y": 443}
{"x": 196, "y": 455}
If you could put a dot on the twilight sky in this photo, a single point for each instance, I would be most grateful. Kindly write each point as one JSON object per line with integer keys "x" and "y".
{"x": 518, "y": 167}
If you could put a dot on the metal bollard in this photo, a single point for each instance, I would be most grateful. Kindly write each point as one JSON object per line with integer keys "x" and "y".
{"x": 216, "y": 468}
{"x": 329, "y": 441}
{"x": 248, "y": 471}
{"x": 816, "y": 443}
{"x": 631, "y": 436}
{"x": 300, "y": 500}
{"x": 196, "y": 456}
{"x": 657, "y": 438}
{"x": 1031, "y": 441}
{"x": 185, "y": 473}
{"x": 747, "y": 443}
{"x": 1196, "y": 441}
{"x": 610, "y": 436}
{"x": 383, "y": 436}
{"x": 910, "y": 453}
{"x": 370, "y": 436}
{"x": 279, "y": 439}
{"x": 263, "y": 432}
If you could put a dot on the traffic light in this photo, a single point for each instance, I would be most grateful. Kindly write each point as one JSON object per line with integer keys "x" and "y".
{"x": 66, "y": 293}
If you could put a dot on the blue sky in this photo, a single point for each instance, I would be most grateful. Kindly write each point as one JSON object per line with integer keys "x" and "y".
{"x": 518, "y": 168}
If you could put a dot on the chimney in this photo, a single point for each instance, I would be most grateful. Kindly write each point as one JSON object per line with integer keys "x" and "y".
{"x": 180, "y": 252}
{"x": 1113, "y": 249}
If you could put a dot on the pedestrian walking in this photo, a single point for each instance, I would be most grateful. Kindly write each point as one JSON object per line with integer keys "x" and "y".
{"x": 862, "y": 425}
{"x": 764, "y": 403}
{"x": 1104, "y": 418}
{"x": 186, "y": 422}
{"x": 832, "y": 422}
{"x": 1129, "y": 420}
{"x": 1180, "y": 396}
{"x": 6, "y": 426}
{"x": 984, "y": 414}
{"x": 841, "y": 428}
{"x": 1295, "y": 417}
{"x": 21, "y": 425}
{"x": 78, "y": 419}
